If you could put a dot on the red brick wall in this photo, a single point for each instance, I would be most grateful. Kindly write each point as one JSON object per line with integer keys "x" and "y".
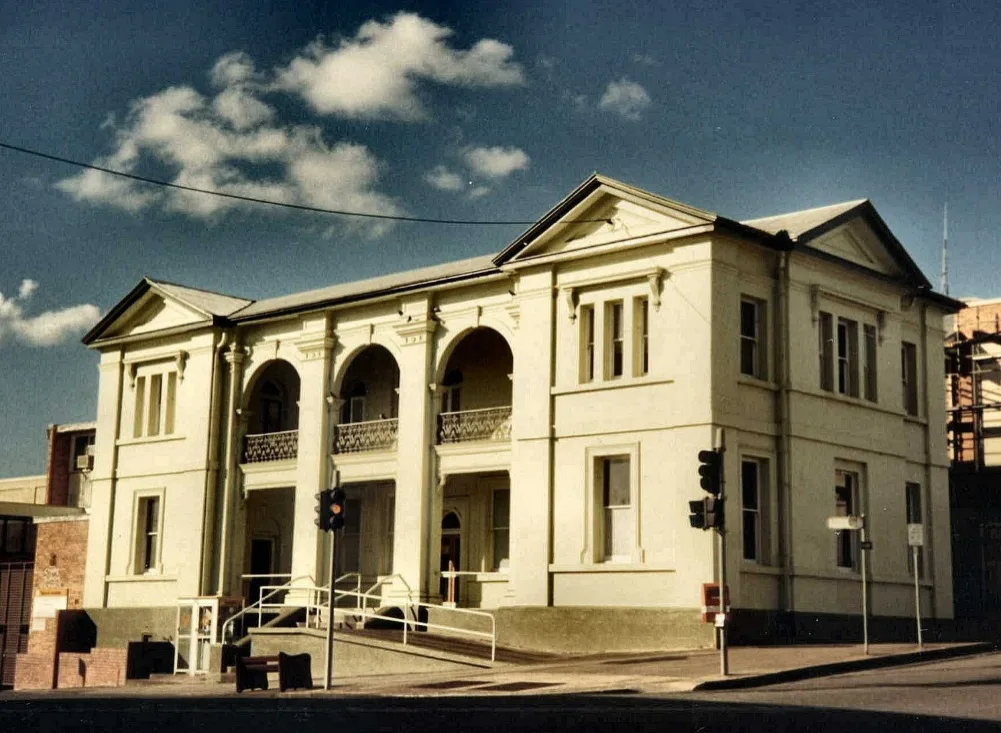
{"x": 60, "y": 558}
{"x": 983, "y": 318}
{"x": 60, "y": 447}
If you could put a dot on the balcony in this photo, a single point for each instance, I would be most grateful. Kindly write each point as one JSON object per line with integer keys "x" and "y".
{"x": 489, "y": 424}
{"x": 371, "y": 435}
{"x": 264, "y": 447}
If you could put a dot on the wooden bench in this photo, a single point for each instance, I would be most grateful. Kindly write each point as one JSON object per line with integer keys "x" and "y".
{"x": 294, "y": 672}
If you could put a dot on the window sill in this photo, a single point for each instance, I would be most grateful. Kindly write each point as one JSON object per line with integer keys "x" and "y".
{"x": 752, "y": 567}
{"x": 915, "y": 419}
{"x": 611, "y": 567}
{"x": 149, "y": 439}
{"x": 758, "y": 382}
{"x": 144, "y": 578}
{"x": 600, "y": 385}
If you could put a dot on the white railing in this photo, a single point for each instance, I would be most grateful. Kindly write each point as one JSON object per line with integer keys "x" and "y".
{"x": 283, "y": 446}
{"x": 357, "y": 437}
{"x": 490, "y": 423}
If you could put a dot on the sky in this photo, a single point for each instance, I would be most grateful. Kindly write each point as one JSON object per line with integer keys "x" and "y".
{"x": 457, "y": 110}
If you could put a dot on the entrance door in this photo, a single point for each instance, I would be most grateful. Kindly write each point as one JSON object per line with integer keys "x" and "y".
{"x": 450, "y": 546}
{"x": 262, "y": 562}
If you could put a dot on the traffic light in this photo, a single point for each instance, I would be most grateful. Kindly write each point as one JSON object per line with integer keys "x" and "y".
{"x": 337, "y": 509}
{"x": 324, "y": 510}
{"x": 706, "y": 513}
{"x": 710, "y": 470}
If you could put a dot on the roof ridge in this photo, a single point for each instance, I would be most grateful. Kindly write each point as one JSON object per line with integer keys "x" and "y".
{"x": 852, "y": 202}
{"x": 153, "y": 281}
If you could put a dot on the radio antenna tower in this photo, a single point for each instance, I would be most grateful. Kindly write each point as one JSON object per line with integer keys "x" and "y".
{"x": 945, "y": 249}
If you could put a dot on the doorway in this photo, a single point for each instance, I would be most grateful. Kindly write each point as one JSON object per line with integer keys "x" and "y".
{"x": 450, "y": 553}
{"x": 262, "y": 562}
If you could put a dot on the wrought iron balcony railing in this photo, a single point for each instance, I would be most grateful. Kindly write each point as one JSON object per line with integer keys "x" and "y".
{"x": 357, "y": 437}
{"x": 263, "y": 447}
{"x": 491, "y": 423}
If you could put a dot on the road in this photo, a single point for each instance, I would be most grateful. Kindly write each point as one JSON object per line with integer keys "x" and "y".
{"x": 955, "y": 695}
{"x": 967, "y": 687}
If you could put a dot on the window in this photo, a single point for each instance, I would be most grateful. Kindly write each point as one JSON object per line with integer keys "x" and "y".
{"x": 846, "y": 505}
{"x": 16, "y": 536}
{"x": 754, "y": 500}
{"x": 83, "y": 449}
{"x": 156, "y": 405}
{"x": 848, "y": 357}
{"x": 148, "y": 528}
{"x": 641, "y": 338}
{"x": 587, "y": 343}
{"x": 913, "y": 498}
{"x": 909, "y": 376}
{"x": 826, "y": 332}
{"x": 618, "y": 528}
{"x": 501, "y": 528}
{"x": 387, "y": 562}
{"x": 753, "y": 356}
{"x": 869, "y": 362}
{"x": 614, "y": 340}
{"x": 451, "y": 393}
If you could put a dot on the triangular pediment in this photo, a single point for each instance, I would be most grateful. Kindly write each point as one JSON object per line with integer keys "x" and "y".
{"x": 155, "y": 312}
{"x": 599, "y": 214}
{"x": 857, "y": 242}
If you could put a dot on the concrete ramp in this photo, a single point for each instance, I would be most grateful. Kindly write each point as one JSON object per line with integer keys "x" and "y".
{"x": 357, "y": 655}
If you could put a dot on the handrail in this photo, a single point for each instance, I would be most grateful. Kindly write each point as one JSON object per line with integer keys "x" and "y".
{"x": 478, "y": 409}
{"x": 251, "y": 608}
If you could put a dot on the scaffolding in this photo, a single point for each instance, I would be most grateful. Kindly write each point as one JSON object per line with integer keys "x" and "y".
{"x": 973, "y": 377}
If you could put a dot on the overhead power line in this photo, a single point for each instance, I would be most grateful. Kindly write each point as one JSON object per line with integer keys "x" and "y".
{"x": 253, "y": 200}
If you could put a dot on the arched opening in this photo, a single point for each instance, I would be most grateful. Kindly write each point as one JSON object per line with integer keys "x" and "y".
{"x": 475, "y": 389}
{"x": 272, "y": 407}
{"x": 369, "y": 403}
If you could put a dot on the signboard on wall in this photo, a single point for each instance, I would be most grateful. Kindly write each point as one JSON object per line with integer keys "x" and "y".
{"x": 47, "y": 604}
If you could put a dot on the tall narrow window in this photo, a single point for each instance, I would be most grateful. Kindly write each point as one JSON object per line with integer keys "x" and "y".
{"x": 914, "y": 516}
{"x": 171, "y": 406}
{"x": 752, "y": 342}
{"x": 155, "y": 401}
{"x": 826, "y": 332}
{"x": 847, "y": 357}
{"x": 501, "y": 528}
{"x": 750, "y": 491}
{"x": 615, "y": 340}
{"x": 140, "y": 414}
{"x": 387, "y": 561}
{"x": 618, "y": 526}
{"x": 845, "y": 505}
{"x": 348, "y": 554}
{"x": 869, "y": 363}
{"x": 587, "y": 343}
{"x": 451, "y": 396}
{"x": 148, "y": 535}
{"x": 909, "y": 375}
{"x": 641, "y": 339}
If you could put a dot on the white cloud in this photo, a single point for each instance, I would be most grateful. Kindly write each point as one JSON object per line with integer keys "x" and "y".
{"x": 495, "y": 162}
{"x": 443, "y": 179}
{"x": 645, "y": 59}
{"x": 230, "y": 144}
{"x": 625, "y": 98}
{"x": 376, "y": 73}
{"x": 45, "y": 329}
{"x": 28, "y": 287}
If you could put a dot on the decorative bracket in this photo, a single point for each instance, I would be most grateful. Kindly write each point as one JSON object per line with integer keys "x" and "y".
{"x": 881, "y": 325}
{"x": 655, "y": 279}
{"x": 570, "y": 297}
{"x": 181, "y": 360}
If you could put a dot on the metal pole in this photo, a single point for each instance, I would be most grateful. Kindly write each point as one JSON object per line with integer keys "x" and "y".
{"x": 865, "y": 600}
{"x": 724, "y": 662}
{"x": 917, "y": 593}
{"x": 328, "y": 670}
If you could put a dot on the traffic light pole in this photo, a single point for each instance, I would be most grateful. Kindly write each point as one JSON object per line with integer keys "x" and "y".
{"x": 724, "y": 662}
{"x": 328, "y": 671}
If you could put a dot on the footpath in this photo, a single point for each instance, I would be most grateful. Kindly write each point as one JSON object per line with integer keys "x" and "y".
{"x": 640, "y": 673}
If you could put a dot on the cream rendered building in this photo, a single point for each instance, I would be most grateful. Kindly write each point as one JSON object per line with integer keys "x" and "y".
{"x": 535, "y": 418}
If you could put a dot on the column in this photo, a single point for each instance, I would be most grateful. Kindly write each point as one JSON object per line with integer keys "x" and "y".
{"x": 312, "y": 467}
{"x": 531, "y": 443}
{"x": 413, "y": 498}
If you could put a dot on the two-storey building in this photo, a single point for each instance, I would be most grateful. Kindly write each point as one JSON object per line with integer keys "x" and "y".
{"x": 532, "y": 420}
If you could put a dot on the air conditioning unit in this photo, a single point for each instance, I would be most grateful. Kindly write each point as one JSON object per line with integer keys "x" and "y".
{"x": 84, "y": 462}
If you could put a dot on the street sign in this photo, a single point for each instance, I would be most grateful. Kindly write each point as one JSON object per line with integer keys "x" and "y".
{"x": 710, "y": 601}
{"x": 915, "y": 535}
{"x": 844, "y": 523}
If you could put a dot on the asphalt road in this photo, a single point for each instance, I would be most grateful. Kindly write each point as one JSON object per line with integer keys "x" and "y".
{"x": 961, "y": 688}
{"x": 954, "y": 695}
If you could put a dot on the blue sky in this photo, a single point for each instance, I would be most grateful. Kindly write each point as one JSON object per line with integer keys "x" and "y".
{"x": 450, "y": 110}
